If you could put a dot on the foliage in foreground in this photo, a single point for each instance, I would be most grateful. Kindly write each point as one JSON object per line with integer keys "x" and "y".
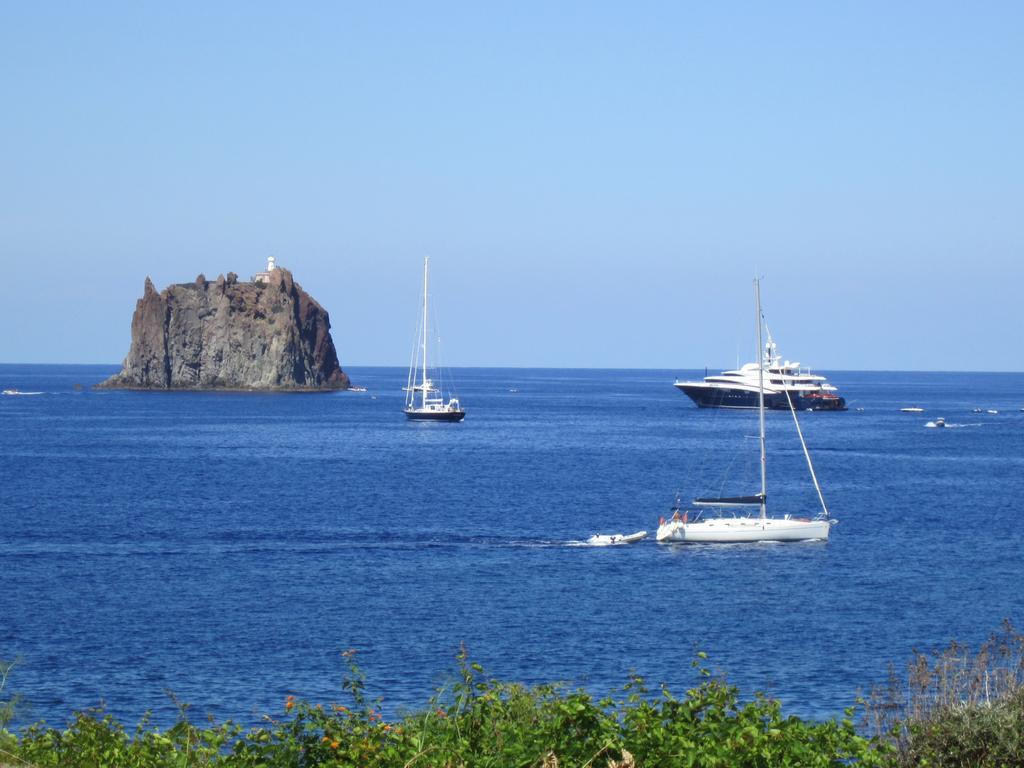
{"x": 957, "y": 708}
{"x": 476, "y": 722}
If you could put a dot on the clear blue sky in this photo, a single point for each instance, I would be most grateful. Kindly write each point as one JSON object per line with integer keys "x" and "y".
{"x": 596, "y": 183}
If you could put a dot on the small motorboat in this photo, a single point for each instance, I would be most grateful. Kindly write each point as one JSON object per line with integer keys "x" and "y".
{"x": 357, "y": 389}
{"x": 991, "y": 410}
{"x": 912, "y": 409}
{"x": 977, "y": 410}
{"x": 19, "y": 392}
{"x": 613, "y": 539}
{"x": 939, "y": 422}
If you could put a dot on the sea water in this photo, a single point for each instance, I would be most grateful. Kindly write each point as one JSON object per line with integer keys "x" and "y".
{"x": 228, "y": 547}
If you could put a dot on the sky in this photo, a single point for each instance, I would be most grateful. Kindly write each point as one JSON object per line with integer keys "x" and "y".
{"x": 596, "y": 183}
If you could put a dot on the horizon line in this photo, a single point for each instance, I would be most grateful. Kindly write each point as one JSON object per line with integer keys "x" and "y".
{"x": 588, "y": 368}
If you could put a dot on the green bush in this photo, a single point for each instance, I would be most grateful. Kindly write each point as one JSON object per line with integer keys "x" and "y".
{"x": 956, "y": 708}
{"x": 473, "y": 722}
{"x": 8, "y": 704}
{"x": 8, "y": 700}
{"x": 977, "y": 736}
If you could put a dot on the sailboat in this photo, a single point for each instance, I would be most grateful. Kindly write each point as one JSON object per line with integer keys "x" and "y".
{"x": 720, "y": 527}
{"x": 424, "y": 401}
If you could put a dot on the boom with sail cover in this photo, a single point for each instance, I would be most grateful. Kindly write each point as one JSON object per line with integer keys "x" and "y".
{"x": 732, "y": 501}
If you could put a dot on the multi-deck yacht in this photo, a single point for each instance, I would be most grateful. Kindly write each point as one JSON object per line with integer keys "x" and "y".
{"x": 739, "y": 388}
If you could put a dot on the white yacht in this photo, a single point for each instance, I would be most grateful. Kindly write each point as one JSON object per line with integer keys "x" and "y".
{"x": 721, "y": 527}
{"x": 425, "y": 401}
{"x": 739, "y": 388}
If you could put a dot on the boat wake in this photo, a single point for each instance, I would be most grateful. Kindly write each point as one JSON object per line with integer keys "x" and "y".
{"x": 446, "y": 540}
{"x": 451, "y": 540}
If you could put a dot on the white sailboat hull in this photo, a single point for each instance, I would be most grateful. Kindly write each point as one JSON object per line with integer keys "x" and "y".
{"x": 436, "y": 411}
{"x": 730, "y": 530}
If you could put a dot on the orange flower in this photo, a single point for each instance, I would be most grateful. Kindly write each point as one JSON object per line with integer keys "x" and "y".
{"x": 289, "y": 702}
{"x": 325, "y": 739}
{"x": 442, "y": 713}
{"x": 334, "y": 745}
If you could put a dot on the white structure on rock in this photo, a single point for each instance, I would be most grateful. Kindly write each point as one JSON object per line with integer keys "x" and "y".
{"x": 264, "y": 277}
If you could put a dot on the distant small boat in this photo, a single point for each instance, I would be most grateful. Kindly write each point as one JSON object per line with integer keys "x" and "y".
{"x": 991, "y": 410}
{"x": 19, "y": 392}
{"x": 431, "y": 405}
{"x": 912, "y": 409}
{"x": 612, "y": 539}
{"x": 979, "y": 410}
{"x": 357, "y": 389}
{"x": 513, "y": 390}
{"x": 939, "y": 422}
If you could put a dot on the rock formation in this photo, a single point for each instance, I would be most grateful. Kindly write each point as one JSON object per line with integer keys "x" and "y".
{"x": 268, "y": 335}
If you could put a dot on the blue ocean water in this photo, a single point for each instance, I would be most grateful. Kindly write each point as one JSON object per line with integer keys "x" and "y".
{"x": 228, "y": 547}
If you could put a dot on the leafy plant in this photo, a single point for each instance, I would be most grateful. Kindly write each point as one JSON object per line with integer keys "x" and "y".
{"x": 8, "y": 701}
{"x": 8, "y": 705}
{"x": 474, "y": 721}
{"x": 956, "y": 707}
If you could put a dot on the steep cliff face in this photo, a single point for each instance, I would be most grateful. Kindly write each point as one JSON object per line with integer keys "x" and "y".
{"x": 231, "y": 335}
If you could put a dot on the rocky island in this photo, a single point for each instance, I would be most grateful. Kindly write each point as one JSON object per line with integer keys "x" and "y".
{"x": 267, "y": 334}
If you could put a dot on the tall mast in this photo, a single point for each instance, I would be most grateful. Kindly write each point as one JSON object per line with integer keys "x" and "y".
{"x": 426, "y": 260}
{"x": 760, "y": 395}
